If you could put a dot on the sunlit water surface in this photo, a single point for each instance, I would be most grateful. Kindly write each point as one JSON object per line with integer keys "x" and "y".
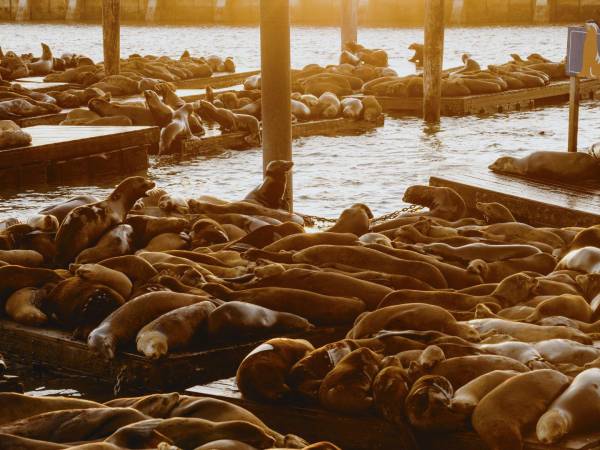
{"x": 330, "y": 172}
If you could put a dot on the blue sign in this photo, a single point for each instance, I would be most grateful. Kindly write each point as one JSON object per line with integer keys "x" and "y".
{"x": 576, "y": 49}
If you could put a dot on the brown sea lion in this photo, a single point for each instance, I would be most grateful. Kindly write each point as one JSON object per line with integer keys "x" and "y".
{"x": 25, "y": 306}
{"x": 412, "y": 316}
{"x": 96, "y": 273}
{"x": 123, "y": 325}
{"x": 576, "y": 410}
{"x": 526, "y": 332}
{"x": 442, "y": 202}
{"x": 262, "y": 374}
{"x": 372, "y": 109}
{"x": 390, "y": 390}
{"x": 495, "y": 212}
{"x": 13, "y": 278}
{"x": 137, "y": 269}
{"x": 25, "y": 258}
{"x": 84, "y": 225}
{"x": 455, "y": 301}
{"x": 316, "y": 308}
{"x": 44, "y": 64}
{"x": 497, "y": 271}
{"x": 153, "y": 405}
{"x": 162, "y": 113}
{"x": 566, "y": 351}
{"x": 468, "y": 396}
{"x": 585, "y": 259}
{"x": 118, "y": 241}
{"x": 520, "y": 351}
{"x": 11, "y": 442}
{"x": 61, "y": 210}
{"x": 176, "y": 130}
{"x": 501, "y": 416}
{"x": 139, "y": 116}
{"x": 347, "y": 388}
{"x": 271, "y": 193}
{"x": 207, "y": 232}
{"x": 355, "y": 220}
{"x": 173, "y": 330}
{"x": 485, "y": 252}
{"x": 147, "y": 227}
{"x": 300, "y": 241}
{"x": 557, "y": 166}
{"x": 246, "y": 208}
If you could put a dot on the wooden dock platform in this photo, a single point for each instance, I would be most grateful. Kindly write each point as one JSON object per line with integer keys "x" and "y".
{"x": 67, "y": 154}
{"x": 37, "y": 84}
{"x": 365, "y": 432}
{"x": 46, "y": 119}
{"x": 218, "y": 80}
{"x": 533, "y": 201}
{"x": 214, "y": 140}
{"x": 56, "y": 350}
{"x": 513, "y": 100}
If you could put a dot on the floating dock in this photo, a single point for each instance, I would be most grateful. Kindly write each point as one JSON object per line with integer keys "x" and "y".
{"x": 364, "y": 432}
{"x": 37, "y": 84}
{"x": 215, "y": 140}
{"x": 68, "y": 154}
{"x": 217, "y": 80}
{"x": 506, "y": 101}
{"x": 57, "y": 350}
{"x": 533, "y": 201}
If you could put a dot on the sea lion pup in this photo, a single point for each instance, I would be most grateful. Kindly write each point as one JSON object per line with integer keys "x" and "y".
{"x": 23, "y": 406}
{"x": 239, "y": 319}
{"x": 557, "y": 166}
{"x": 497, "y": 271}
{"x": 262, "y": 374}
{"x": 576, "y": 410}
{"x": 412, "y": 316}
{"x": 502, "y": 416}
{"x": 173, "y": 330}
{"x": 347, "y": 388}
{"x": 271, "y": 193}
{"x": 495, "y": 212}
{"x": 26, "y": 258}
{"x": 185, "y": 432}
{"x": 301, "y": 241}
{"x": 460, "y": 370}
{"x": 121, "y": 326}
{"x": 316, "y": 308}
{"x": 245, "y": 208}
{"x": 326, "y": 283}
{"x": 428, "y": 405}
{"x": 485, "y": 252}
{"x": 96, "y": 273}
{"x": 356, "y": 257}
{"x": 84, "y": 225}
{"x": 442, "y": 202}
{"x": 527, "y": 332}
{"x": 116, "y": 242}
{"x": 586, "y": 259}
{"x": 417, "y": 58}
{"x": 74, "y": 425}
{"x": 25, "y": 306}
{"x": 467, "y": 397}
{"x": 355, "y": 220}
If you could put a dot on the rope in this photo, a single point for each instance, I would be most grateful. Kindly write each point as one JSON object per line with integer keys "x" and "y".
{"x": 321, "y": 222}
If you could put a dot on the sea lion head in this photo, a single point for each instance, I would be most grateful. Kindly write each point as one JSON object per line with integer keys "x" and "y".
{"x": 153, "y": 344}
{"x": 552, "y": 426}
{"x": 151, "y": 97}
{"x": 428, "y": 405}
{"x": 102, "y": 343}
{"x": 415, "y": 46}
{"x": 390, "y": 390}
{"x": 505, "y": 164}
{"x": 46, "y": 52}
{"x": 278, "y": 167}
{"x": 268, "y": 271}
{"x": 478, "y": 267}
{"x": 589, "y": 284}
{"x": 130, "y": 190}
{"x": 515, "y": 289}
{"x": 170, "y": 204}
{"x": 207, "y": 232}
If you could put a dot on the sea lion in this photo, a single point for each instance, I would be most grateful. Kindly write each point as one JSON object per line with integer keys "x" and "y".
{"x": 316, "y": 308}
{"x": 137, "y": 269}
{"x": 352, "y": 108}
{"x": 467, "y": 397}
{"x": 177, "y": 129}
{"x": 390, "y": 390}
{"x": 556, "y": 166}
{"x": 245, "y": 208}
{"x": 116, "y": 242}
{"x": 239, "y": 319}
{"x": 25, "y": 306}
{"x": 502, "y": 415}
{"x": 520, "y": 351}
{"x": 167, "y": 241}
{"x": 61, "y": 210}
{"x": 428, "y": 405}
{"x": 44, "y": 65}
{"x": 301, "y": 241}
{"x": 565, "y": 351}
{"x": 329, "y": 105}
{"x": 412, "y": 316}
{"x": 442, "y": 202}
{"x": 157, "y": 406}
{"x": 576, "y": 410}
{"x": 23, "y": 406}
{"x": 147, "y": 227}
{"x": 262, "y": 374}
{"x": 355, "y": 219}
{"x": 271, "y": 193}
{"x": 162, "y": 113}
{"x": 122, "y": 325}
{"x": 372, "y": 109}
{"x": 585, "y": 259}
{"x": 173, "y": 330}
{"x": 495, "y": 212}
{"x": 497, "y": 271}
{"x": 13, "y": 278}
{"x": 96, "y": 273}
{"x": 454, "y": 301}
{"x": 25, "y": 258}
{"x": 347, "y": 388}
{"x": 43, "y": 222}
{"x": 526, "y": 332}
{"x": 417, "y": 58}
{"x": 485, "y": 252}
{"x": 11, "y": 442}
{"x": 84, "y": 225}
{"x": 139, "y": 116}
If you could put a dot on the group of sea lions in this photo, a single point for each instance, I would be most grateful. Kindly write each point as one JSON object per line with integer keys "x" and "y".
{"x": 159, "y": 421}
{"x": 17, "y": 102}
{"x": 11, "y": 135}
{"x": 471, "y": 79}
{"x": 13, "y": 66}
{"x": 356, "y": 54}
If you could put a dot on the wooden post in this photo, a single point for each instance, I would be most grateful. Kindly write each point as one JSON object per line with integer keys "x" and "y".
{"x": 73, "y": 11}
{"x": 151, "y": 8}
{"x": 541, "y": 11}
{"x": 433, "y": 60}
{"x": 23, "y": 11}
{"x": 457, "y": 13}
{"x": 111, "y": 30}
{"x": 349, "y": 21}
{"x": 574, "y": 95}
{"x": 276, "y": 84}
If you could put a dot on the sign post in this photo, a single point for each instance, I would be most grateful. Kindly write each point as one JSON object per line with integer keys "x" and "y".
{"x": 583, "y": 61}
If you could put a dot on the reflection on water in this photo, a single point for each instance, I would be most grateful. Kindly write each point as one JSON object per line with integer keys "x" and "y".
{"x": 331, "y": 172}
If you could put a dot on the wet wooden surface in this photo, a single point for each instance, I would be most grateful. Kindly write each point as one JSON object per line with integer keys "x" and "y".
{"x": 365, "y": 432}
{"x": 56, "y": 350}
{"x": 534, "y": 201}
{"x": 513, "y": 100}
{"x": 216, "y": 80}
{"x": 38, "y": 85}
{"x": 315, "y": 424}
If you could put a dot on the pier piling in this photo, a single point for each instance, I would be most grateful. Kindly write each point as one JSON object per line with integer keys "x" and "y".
{"x": 276, "y": 84}
{"x": 23, "y": 11}
{"x": 574, "y": 97}
{"x": 433, "y": 60}
{"x": 111, "y": 30}
{"x": 541, "y": 12}
{"x": 349, "y": 21}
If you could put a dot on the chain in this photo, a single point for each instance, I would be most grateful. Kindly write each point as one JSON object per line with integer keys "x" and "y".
{"x": 120, "y": 381}
{"x": 320, "y": 222}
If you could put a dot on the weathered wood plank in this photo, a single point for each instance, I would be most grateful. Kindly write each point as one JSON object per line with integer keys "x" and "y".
{"x": 57, "y": 350}
{"x": 315, "y": 424}
{"x": 217, "y": 80}
{"x": 513, "y": 100}
{"x": 537, "y": 202}
{"x": 42, "y": 86}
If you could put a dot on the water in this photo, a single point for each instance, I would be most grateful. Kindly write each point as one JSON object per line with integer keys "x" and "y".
{"x": 331, "y": 172}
